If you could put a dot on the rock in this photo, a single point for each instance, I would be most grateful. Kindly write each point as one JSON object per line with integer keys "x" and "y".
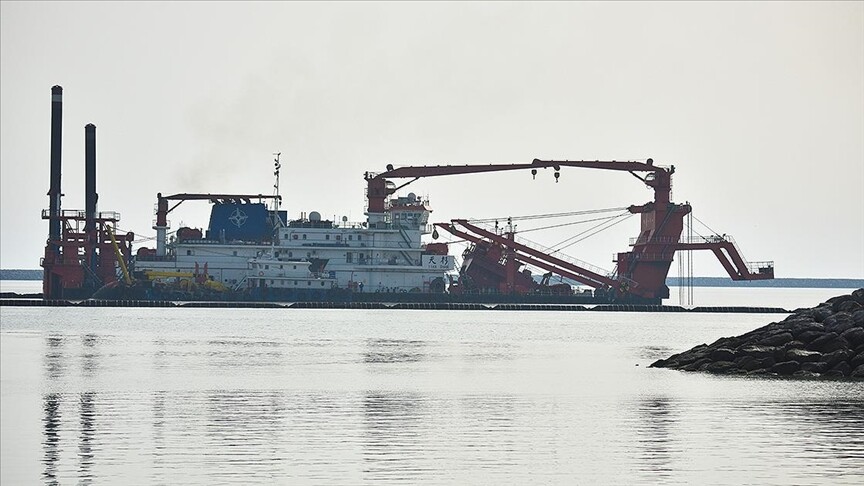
{"x": 838, "y": 302}
{"x": 786, "y": 367}
{"x": 805, "y": 374}
{"x": 719, "y": 367}
{"x": 692, "y": 355}
{"x": 857, "y": 360}
{"x": 855, "y": 335}
{"x": 749, "y": 363}
{"x": 663, "y": 363}
{"x": 767, "y": 362}
{"x": 803, "y": 356}
{"x": 758, "y": 352}
{"x": 808, "y": 336}
{"x": 843, "y": 367}
{"x": 822, "y": 312}
{"x": 828, "y": 342}
{"x": 694, "y": 366}
{"x": 833, "y": 358}
{"x": 815, "y": 367}
{"x": 833, "y": 374}
{"x": 799, "y": 326}
{"x": 839, "y": 322}
{"x": 723, "y": 354}
{"x": 849, "y": 306}
{"x": 793, "y": 345}
{"x": 777, "y": 339}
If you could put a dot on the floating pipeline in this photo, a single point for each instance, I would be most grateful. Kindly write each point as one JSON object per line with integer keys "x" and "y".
{"x": 15, "y": 302}
{"x": 826, "y": 341}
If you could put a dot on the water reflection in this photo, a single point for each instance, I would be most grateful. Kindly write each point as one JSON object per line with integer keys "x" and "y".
{"x": 654, "y": 352}
{"x": 657, "y": 418}
{"x": 393, "y": 351}
{"x": 241, "y": 431}
{"x": 181, "y": 408}
{"x": 393, "y": 437}
{"x": 51, "y": 436}
{"x": 54, "y": 365}
{"x": 89, "y": 357}
{"x": 159, "y": 442}
{"x": 488, "y": 352}
{"x": 87, "y": 419}
{"x": 833, "y": 429}
{"x": 236, "y": 352}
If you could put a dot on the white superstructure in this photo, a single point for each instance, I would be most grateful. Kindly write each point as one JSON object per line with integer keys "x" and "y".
{"x": 383, "y": 254}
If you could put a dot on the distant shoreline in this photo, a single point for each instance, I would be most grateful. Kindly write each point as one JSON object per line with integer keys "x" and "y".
{"x": 810, "y": 283}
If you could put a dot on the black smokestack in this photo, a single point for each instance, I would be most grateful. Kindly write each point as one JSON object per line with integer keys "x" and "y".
{"x": 90, "y": 196}
{"x": 56, "y": 145}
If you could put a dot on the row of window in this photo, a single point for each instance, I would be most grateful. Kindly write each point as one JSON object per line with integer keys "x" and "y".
{"x": 282, "y": 283}
{"x": 327, "y": 237}
{"x": 267, "y": 267}
{"x": 349, "y": 257}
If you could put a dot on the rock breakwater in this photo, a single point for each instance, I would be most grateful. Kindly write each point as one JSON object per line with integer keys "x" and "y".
{"x": 826, "y": 341}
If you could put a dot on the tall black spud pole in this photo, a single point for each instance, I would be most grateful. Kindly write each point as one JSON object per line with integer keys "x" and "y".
{"x": 90, "y": 195}
{"x": 54, "y": 193}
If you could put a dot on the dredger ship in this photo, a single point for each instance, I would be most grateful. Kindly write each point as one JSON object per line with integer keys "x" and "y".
{"x": 252, "y": 250}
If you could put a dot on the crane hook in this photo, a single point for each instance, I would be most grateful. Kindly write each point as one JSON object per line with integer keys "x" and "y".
{"x": 557, "y": 175}
{"x": 533, "y": 174}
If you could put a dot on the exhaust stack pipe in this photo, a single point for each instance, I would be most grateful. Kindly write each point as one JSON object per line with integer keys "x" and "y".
{"x": 54, "y": 193}
{"x": 90, "y": 195}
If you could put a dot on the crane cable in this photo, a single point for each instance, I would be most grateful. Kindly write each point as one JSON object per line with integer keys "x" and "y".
{"x": 570, "y": 224}
{"x": 620, "y": 218}
{"x": 544, "y": 216}
{"x": 703, "y": 224}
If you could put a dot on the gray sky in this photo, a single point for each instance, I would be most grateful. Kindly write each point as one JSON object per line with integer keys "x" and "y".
{"x": 760, "y": 106}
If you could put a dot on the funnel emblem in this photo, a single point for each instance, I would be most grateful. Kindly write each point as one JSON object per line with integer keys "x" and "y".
{"x": 238, "y": 218}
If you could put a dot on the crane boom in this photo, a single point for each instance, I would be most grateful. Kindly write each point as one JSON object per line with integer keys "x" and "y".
{"x": 379, "y": 187}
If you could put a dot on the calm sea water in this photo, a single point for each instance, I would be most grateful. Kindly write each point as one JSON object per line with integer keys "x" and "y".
{"x": 222, "y": 396}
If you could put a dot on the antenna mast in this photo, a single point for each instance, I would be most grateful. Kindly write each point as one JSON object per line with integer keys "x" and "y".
{"x": 277, "y": 201}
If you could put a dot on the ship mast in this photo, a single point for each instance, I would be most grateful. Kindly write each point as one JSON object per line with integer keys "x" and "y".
{"x": 277, "y": 201}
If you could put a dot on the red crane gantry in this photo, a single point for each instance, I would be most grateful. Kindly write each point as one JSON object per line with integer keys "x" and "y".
{"x": 640, "y": 273}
